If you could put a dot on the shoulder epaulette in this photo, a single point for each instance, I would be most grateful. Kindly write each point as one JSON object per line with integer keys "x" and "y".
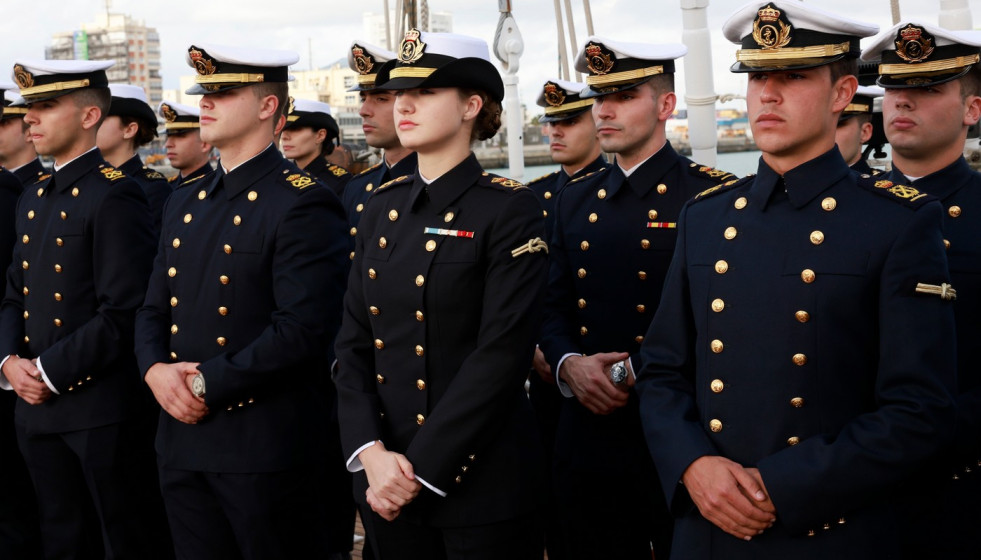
{"x": 510, "y": 184}
{"x": 337, "y": 170}
{"x": 300, "y": 180}
{"x": 111, "y": 173}
{"x": 537, "y": 179}
{"x": 722, "y": 187}
{"x": 710, "y": 173}
{"x": 152, "y": 174}
{"x": 42, "y": 177}
{"x": 369, "y": 170}
{"x": 590, "y": 174}
{"x": 396, "y": 181}
{"x": 903, "y": 194}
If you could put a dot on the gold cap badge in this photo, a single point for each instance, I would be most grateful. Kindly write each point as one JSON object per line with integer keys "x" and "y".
{"x": 24, "y": 78}
{"x": 554, "y": 96}
{"x": 168, "y": 113}
{"x": 599, "y": 59}
{"x": 769, "y": 30}
{"x": 914, "y": 44}
{"x": 203, "y": 64}
{"x": 362, "y": 61}
{"x": 412, "y": 48}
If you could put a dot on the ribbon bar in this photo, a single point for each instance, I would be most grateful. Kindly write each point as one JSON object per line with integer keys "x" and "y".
{"x": 659, "y": 225}
{"x": 448, "y": 232}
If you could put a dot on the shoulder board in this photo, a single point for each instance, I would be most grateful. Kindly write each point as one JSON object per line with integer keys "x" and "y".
{"x": 111, "y": 173}
{"x": 537, "y": 179}
{"x": 336, "y": 170}
{"x": 722, "y": 187}
{"x": 397, "y": 181}
{"x": 590, "y": 174}
{"x": 506, "y": 183}
{"x": 153, "y": 174}
{"x": 710, "y": 173}
{"x": 903, "y": 194}
{"x": 173, "y": 179}
{"x": 42, "y": 177}
{"x": 369, "y": 170}
{"x": 300, "y": 180}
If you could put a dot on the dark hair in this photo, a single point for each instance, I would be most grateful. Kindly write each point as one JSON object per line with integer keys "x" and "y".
{"x": 843, "y": 67}
{"x": 488, "y": 121}
{"x": 971, "y": 82}
{"x": 662, "y": 83}
{"x": 145, "y": 132}
{"x": 93, "y": 97}
{"x": 279, "y": 89}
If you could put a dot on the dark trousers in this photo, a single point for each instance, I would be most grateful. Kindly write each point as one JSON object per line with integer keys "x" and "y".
{"x": 253, "y": 516}
{"x": 99, "y": 481}
{"x": 514, "y": 539}
{"x": 20, "y": 537}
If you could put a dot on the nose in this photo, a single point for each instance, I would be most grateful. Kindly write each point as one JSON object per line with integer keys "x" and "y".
{"x": 31, "y": 117}
{"x": 769, "y": 93}
{"x": 205, "y": 102}
{"x": 603, "y": 109}
{"x": 899, "y": 98}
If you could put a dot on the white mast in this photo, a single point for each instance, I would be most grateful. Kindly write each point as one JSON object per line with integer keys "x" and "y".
{"x": 700, "y": 93}
{"x": 508, "y": 47}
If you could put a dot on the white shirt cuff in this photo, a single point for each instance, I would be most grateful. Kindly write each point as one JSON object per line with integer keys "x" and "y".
{"x": 44, "y": 377}
{"x": 4, "y": 384}
{"x": 353, "y": 463}
{"x": 430, "y": 486}
{"x": 562, "y": 385}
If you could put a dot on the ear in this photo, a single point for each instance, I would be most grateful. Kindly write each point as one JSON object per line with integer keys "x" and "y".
{"x": 843, "y": 91}
{"x": 130, "y": 131}
{"x": 473, "y": 106}
{"x": 268, "y": 106}
{"x": 866, "y": 132}
{"x": 666, "y": 103}
{"x": 321, "y": 136}
{"x": 91, "y": 117}
{"x": 972, "y": 111}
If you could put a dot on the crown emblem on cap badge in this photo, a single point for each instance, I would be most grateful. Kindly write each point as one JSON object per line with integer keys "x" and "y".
{"x": 290, "y": 106}
{"x": 363, "y": 62}
{"x": 598, "y": 59}
{"x": 412, "y": 48}
{"x": 914, "y": 44}
{"x": 554, "y": 96}
{"x": 24, "y": 78}
{"x": 203, "y": 64}
{"x": 168, "y": 113}
{"x": 769, "y": 31}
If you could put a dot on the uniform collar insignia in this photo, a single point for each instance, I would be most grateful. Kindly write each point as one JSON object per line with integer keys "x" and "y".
{"x": 599, "y": 59}
{"x": 771, "y": 30}
{"x": 914, "y": 44}
{"x": 554, "y": 96}
{"x": 412, "y": 48}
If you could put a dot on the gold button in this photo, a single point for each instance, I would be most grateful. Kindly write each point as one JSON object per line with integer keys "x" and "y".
{"x": 717, "y": 386}
{"x": 223, "y": 311}
{"x": 57, "y": 268}
{"x": 582, "y": 304}
{"x": 379, "y": 343}
{"x": 173, "y": 329}
{"x": 601, "y": 194}
{"x": 59, "y": 242}
{"x": 26, "y": 314}
{"x": 374, "y": 310}
{"x": 380, "y": 378}
{"x": 794, "y": 440}
{"x": 954, "y": 211}
{"x": 253, "y": 196}
{"x": 27, "y": 339}
{"x": 584, "y": 245}
{"x": 796, "y": 402}
{"x": 807, "y": 275}
{"x": 187, "y": 218}
{"x": 729, "y": 233}
{"x": 30, "y": 214}
{"x": 420, "y": 384}
{"x": 817, "y": 237}
{"x": 740, "y": 203}
{"x": 420, "y": 317}
{"x": 458, "y": 479}
{"x": 26, "y": 265}
{"x": 593, "y": 217}
{"x": 221, "y": 341}
{"x": 26, "y": 291}
{"x": 173, "y": 355}
{"x": 176, "y": 243}
{"x": 829, "y": 203}
{"x": 547, "y": 195}
{"x": 359, "y": 207}
{"x": 224, "y": 279}
{"x": 642, "y": 275}
{"x": 638, "y": 339}
{"x": 202, "y": 194}
{"x": 431, "y": 245}
{"x": 382, "y": 242}
{"x": 581, "y": 272}
{"x": 717, "y": 346}
{"x": 802, "y": 316}
{"x": 715, "y": 425}
{"x": 652, "y": 214}
{"x": 57, "y": 295}
{"x": 662, "y": 188}
{"x": 645, "y": 244}
{"x": 420, "y": 280}
{"x": 26, "y": 239}
{"x": 393, "y": 215}
{"x": 448, "y": 217}
{"x": 641, "y": 308}
{"x": 946, "y": 244}
{"x": 237, "y": 220}
{"x": 354, "y": 231}
{"x": 420, "y": 350}
{"x": 228, "y": 249}
{"x": 800, "y": 359}
{"x": 583, "y": 331}
{"x": 721, "y": 267}
{"x": 420, "y": 419}
{"x": 372, "y": 274}
{"x": 826, "y": 526}
{"x": 173, "y": 302}
{"x": 171, "y": 272}
{"x": 368, "y": 187}
{"x": 718, "y": 305}
{"x": 75, "y": 191}
{"x": 351, "y": 256}
{"x": 841, "y": 521}
{"x": 64, "y": 215}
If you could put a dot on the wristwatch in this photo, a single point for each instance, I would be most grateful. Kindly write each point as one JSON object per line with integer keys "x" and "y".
{"x": 618, "y": 373}
{"x": 197, "y": 385}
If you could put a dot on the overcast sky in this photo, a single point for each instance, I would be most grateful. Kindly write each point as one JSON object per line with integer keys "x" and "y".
{"x": 327, "y": 27}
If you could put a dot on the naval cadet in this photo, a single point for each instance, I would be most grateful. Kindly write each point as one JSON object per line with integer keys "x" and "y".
{"x": 19, "y": 536}
{"x": 932, "y": 78}
{"x": 796, "y": 371}
{"x": 308, "y": 138}
{"x": 130, "y": 125}
{"x": 17, "y": 152}
{"x": 855, "y": 129}
{"x": 186, "y": 152}
{"x": 80, "y": 266}
{"x": 613, "y": 236}
{"x": 378, "y": 124}
{"x": 439, "y": 326}
{"x": 244, "y": 299}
